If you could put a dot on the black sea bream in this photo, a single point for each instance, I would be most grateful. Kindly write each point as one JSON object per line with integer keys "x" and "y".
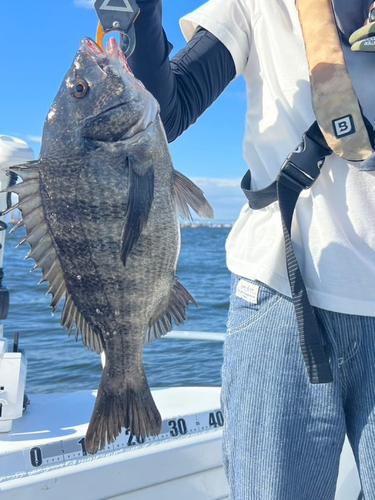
{"x": 100, "y": 207}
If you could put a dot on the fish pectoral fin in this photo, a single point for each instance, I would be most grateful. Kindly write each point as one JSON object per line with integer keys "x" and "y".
{"x": 187, "y": 193}
{"x": 176, "y": 310}
{"x": 141, "y": 195}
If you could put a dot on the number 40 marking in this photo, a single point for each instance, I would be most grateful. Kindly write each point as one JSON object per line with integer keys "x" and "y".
{"x": 216, "y": 419}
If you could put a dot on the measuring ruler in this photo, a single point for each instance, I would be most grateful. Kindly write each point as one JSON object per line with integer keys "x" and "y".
{"x": 71, "y": 451}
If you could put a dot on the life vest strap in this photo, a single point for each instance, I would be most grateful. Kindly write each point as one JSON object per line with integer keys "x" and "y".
{"x": 299, "y": 171}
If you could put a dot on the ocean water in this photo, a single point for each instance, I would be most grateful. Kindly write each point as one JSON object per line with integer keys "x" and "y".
{"x": 56, "y": 363}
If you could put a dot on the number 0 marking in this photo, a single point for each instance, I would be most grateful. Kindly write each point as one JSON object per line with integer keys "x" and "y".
{"x": 36, "y": 456}
{"x": 127, "y": 8}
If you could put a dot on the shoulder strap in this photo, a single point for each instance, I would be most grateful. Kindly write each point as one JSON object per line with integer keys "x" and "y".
{"x": 334, "y": 100}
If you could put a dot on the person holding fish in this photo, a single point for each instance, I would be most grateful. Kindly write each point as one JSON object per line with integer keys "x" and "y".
{"x": 299, "y": 370}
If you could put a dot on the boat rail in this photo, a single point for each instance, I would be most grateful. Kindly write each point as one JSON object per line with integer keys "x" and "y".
{"x": 192, "y": 335}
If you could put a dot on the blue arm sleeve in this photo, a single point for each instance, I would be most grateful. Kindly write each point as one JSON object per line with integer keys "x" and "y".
{"x": 186, "y": 85}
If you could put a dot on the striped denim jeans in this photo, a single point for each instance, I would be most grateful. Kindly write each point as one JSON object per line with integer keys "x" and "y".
{"x": 283, "y": 436}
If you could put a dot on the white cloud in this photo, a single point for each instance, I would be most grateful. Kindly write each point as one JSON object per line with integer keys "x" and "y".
{"x": 224, "y": 195}
{"x": 34, "y": 138}
{"x": 208, "y": 182}
{"x": 236, "y": 94}
{"x": 84, "y": 4}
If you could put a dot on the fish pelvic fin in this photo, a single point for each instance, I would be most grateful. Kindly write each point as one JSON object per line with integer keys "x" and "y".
{"x": 176, "y": 310}
{"x": 189, "y": 194}
{"x": 141, "y": 195}
{"x": 122, "y": 404}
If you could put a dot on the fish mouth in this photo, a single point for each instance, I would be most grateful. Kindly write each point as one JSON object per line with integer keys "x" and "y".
{"x": 89, "y": 47}
{"x": 113, "y": 50}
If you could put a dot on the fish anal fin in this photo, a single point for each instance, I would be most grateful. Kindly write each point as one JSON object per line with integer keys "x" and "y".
{"x": 189, "y": 194}
{"x": 141, "y": 195}
{"x": 176, "y": 310}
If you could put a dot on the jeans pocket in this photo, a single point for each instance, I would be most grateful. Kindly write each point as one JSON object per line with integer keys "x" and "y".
{"x": 249, "y": 301}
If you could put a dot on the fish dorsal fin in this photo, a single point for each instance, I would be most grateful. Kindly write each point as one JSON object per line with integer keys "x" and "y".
{"x": 176, "y": 310}
{"x": 189, "y": 194}
{"x": 141, "y": 195}
{"x": 44, "y": 254}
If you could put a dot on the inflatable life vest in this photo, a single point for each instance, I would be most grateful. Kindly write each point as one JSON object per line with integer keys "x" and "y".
{"x": 340, "y": 128}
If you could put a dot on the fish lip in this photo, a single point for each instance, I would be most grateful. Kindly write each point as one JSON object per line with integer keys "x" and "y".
{"x": 89, "y": 47}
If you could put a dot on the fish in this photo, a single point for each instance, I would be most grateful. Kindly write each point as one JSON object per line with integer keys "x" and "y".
{"x": 101, "y": 208}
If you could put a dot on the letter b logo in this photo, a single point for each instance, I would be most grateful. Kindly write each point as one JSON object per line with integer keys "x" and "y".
{"x": 343, "y": 126}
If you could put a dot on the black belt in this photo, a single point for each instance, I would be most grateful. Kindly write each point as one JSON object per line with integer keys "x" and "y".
{"x": 299, "y": 172}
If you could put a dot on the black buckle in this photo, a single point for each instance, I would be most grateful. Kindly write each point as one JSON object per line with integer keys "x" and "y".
{"x": 302, "y": 166}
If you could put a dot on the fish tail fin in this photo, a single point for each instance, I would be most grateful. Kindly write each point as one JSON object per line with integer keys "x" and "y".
{"x": 132, "y": 407}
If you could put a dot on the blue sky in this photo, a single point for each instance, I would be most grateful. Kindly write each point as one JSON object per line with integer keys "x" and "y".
{"x": 39, "y": 40}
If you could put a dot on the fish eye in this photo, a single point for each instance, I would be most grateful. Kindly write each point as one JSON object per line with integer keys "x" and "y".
{"x": 80, "y": 88}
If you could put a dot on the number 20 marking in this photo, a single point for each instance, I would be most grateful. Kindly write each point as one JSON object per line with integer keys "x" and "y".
{"x": 133, "y": 440}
